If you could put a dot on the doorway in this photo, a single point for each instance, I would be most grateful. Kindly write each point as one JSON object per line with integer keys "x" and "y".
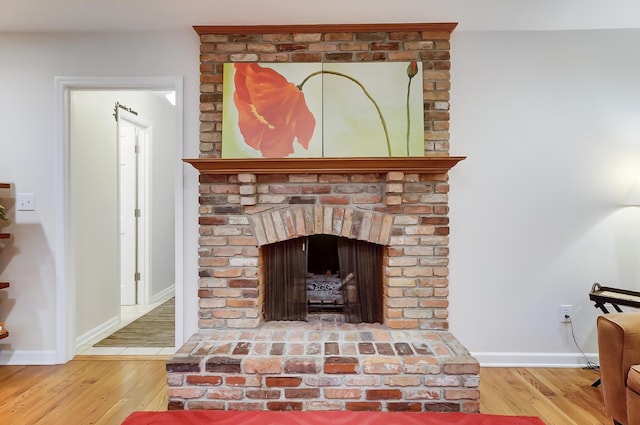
{"x": 117, "y": 175}
{"x": 87, "y": 256}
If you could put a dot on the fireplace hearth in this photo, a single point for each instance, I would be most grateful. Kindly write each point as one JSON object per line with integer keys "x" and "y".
{"x": 324, "y": 350}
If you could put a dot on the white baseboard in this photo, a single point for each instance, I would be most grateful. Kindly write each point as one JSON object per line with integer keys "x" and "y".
{"x": 92, "y": 334}
{"x": 24, "y": 357}
{"x": 95, "y": 332}
{"x": 164, "y": 295}
{"x": 535, "y": 359}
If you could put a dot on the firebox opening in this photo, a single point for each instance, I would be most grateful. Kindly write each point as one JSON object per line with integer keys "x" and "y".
{"x": 323, "y": 255}
{"x": 325, "y": 292}
{"x": 323, "y": 274}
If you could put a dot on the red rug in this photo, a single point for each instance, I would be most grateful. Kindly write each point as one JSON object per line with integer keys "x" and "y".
{"x": 220, "y": 417}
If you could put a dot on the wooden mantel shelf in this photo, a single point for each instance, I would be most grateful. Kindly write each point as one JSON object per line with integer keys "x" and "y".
{"x": 316, "y": 28}
{"x": 417, "y": 164}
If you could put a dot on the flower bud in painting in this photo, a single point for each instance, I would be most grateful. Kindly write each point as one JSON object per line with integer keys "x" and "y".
{"x": 412, "y": 69}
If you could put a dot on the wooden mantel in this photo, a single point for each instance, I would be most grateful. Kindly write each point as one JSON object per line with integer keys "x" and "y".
{"x": 317, "y": 28}
{"x": 414, "y": 164}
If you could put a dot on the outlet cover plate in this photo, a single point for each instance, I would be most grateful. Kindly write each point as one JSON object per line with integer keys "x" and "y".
{"x": 25, "y": 202}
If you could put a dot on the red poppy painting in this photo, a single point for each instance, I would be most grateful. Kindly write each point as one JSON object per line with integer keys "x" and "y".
{"x": 272, "y": 112}
{"x": 279, "y": 110}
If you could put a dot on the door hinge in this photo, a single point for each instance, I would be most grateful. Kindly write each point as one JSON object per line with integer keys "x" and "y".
{"x": 137, "y": 149}
{"x": 136, "y": 213}
{"x": 136, "y": 276}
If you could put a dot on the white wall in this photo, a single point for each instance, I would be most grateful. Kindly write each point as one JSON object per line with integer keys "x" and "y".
{"x": 94, "y": 196}
{"x": 550, "y": 124}
{"x": 548, "y": 121}
{"x": 30, "y": 62}
{"x": 94, "y": 212}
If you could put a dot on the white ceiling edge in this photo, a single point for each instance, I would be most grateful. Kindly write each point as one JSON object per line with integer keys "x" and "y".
{"x": 180, "y": 15}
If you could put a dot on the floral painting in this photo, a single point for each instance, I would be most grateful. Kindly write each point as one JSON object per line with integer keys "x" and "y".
{"x": 322, "y": 110}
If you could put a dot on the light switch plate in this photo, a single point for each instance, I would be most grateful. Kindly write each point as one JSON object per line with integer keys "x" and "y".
{"x": 25, "y": 202}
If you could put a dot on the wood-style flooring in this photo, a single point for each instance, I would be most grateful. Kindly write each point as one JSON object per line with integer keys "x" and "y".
{"x": 104, "y": 390}
{"x": 154, "y": 329}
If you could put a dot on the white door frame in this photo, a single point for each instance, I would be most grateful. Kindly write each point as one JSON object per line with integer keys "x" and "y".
{"x": 143, "y": 235}
{"x": 64, "y": 249}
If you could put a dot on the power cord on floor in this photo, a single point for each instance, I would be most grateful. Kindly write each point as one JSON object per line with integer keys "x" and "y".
{"x": 590, "y": 365}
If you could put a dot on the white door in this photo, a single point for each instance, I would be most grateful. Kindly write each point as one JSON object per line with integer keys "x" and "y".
{"x": 132, "y": 138}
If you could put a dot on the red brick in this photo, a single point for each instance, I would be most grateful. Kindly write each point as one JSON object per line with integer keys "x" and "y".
{"x": 362, "y": 381}
{"x": 461, "y": 365}
{"x": 204, "y": 293}
{"x": 388, "y": 394}
{"x": 302, "y": 393}
{"x": 404, "y": 407}
{"x": 236, "y": 380}
{"x": 263, "y": 394}
{"x": 323, "y": 405}
{"x": 334, "y": 200}
{"x": 284, "y": 405}
{"x": 421, "y": 394}
{"x": 245, "y": 406}
{"x": 422, "y": 365}
{"x": 225, "y": 394}
{"x": 316, "y": 189}
{"x": 363, "y": 406}
{"x": 242, "y": 303}
{"x": 212, "y": 220}
{"x": 185, "y": 392}
{"x": 206, "y": 405}
{"x": 403, "y": 381}
{"x": 403, "y": 324}
{"x": 175, "y": 405}
{"x": 341, "y": 365}
{"x": 470, "y": 406}
{"x": 444, "y": 407}
{"x": 301, "y": 366}
{"x": 334, "y": 393}
{"x": 381, "y": 366}
{"x": 204, "y": 380}
{"x": 262, "y": 365}
{"x": 183, "y": 364}
{"x": 276, "y": 381}
{"x": 223, "y": 365}
{"x": 453, "y": 394}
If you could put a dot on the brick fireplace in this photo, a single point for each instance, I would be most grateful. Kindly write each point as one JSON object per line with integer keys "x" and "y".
{"x": 410, "y": 361}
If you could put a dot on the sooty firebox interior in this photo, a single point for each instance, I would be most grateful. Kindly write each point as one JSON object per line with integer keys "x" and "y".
{"x": 323, "y": 274}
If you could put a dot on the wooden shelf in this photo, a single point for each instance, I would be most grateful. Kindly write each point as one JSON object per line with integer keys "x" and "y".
{"x": 417, "y": 164}
{"x": 3, "y": 285}
{"x": 318, "y": 28}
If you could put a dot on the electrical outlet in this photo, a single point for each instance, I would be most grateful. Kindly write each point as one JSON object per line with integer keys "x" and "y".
{"x": 25, "y": 202}
{"x": 566, "y": 312}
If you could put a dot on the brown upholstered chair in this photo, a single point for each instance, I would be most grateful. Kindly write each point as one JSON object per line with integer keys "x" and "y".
{"x": 619, "y": 352}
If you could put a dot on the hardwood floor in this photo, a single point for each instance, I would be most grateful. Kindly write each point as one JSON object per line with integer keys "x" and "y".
{"x": 83, "y": 391}
{"x": 104, "y": 390}
{"x": 557, "y": 396}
